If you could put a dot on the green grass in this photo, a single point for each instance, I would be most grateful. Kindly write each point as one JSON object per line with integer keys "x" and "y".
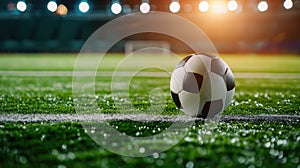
{"x": 231, "y": 144}
{"x": 237, "y": 62}
{"x": 54, "y": 95}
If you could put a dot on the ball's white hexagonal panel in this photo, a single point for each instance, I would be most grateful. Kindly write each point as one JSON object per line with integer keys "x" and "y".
{"x": 195, "y": 64}
{"x": 177, "y": 79}
{"x": 213, "y": 87}
{"x": 206, "y": 61}
{"x": 190, "y": 102}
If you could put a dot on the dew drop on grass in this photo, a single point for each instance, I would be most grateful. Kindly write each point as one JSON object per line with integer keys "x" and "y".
{"x": 142, "y": 150}
{"x": 114, "y": 144}
{"x": 43, "y": 137}
{"x": 64, "y": 146}
{"x": 155, "y": 155}
{"x": 188, "y": 139}
{"x": 61, "y": 166}
{"x": 234, "y": 140}
{"x": 129, "y": 147}
{"x": 61, "y": 157}
{"x": 189, "y": 164}
{"x": 179, "y": 160}
{"x": 71, "y": 155}
{"x": 295, "y": 160}
{"x": 274, "y": 152}
{"x": 241, "y": 160}
{"x": 268, "y": 144}
{"x": 282, "y": 142}
{"x": 54, "y": 152}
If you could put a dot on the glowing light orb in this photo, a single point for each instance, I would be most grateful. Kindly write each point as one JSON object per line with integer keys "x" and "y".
{"x": 52, "y": 6}
{"x": 174, "y": 7}
{"x": 84, "y": 7}
{"x": 203, "y": 6}
{"x": 288, "y": 4}
{"x": 21, "y": 6}
{"x": 62, "y": 10}
{"x": 145, "y": 7}
{"x": 232, "y": 5}
{"x": 116, "y": 8}
{"x": 262, "y": 6}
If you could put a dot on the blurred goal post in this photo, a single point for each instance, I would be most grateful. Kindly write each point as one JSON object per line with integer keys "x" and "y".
{"x": 135, "y": 45}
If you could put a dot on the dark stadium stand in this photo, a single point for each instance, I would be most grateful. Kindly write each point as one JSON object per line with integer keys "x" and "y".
{"x": 38, "y": 30}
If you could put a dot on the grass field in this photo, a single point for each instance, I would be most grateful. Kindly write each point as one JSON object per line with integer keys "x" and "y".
{"x": 230, "y": 144}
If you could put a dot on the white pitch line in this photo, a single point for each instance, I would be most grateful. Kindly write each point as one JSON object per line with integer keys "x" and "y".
{"x": 138, "y": 117}
{"x": 144, "y": 74}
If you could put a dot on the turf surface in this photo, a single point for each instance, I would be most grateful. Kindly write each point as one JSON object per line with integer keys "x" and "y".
{"x": 54, "y": 95}
{"x": 237, "y": 62}
{"x": 230, "y": 144}
{"x": 233, "y": 144}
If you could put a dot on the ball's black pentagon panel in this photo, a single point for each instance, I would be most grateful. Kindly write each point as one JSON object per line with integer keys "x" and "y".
{"x": 192, "y": 82}
{"x": 183, "y": 61}
{"x": 218, "y": 66}
{"x": 229, "y": 80}
{"x": 176, "y": 99}
{"x": 211, "y": 108}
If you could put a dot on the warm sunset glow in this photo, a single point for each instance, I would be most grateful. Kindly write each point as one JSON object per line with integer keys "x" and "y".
{"x": 218, "y": 7}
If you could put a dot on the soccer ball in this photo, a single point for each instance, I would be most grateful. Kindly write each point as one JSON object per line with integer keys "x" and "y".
{"x": 202, "y": 85}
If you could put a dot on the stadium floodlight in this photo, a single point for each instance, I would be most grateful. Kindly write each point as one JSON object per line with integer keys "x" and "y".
{"x": 262, "y": 6}
{"x": 203, "y": 6}
{"x": 232, "y": 5}
{"x": 174, "y": 6}
{"x": 52, "y": 6}
{"x": 288, "y": 4}
{"x": 145, "y": 7}
{"x": 84, "y": 6}
{"x": 116, "y": 8}
{"x": 21, "y": 6}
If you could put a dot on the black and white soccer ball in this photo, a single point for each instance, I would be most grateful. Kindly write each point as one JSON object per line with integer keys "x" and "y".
{"x": 202, "y": 85}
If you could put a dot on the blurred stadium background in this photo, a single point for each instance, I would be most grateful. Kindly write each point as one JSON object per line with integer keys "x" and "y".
{"x": 234, "y": 26}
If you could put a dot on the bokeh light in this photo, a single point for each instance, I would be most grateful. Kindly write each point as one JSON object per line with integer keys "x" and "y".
{"x": 62, "y": 10}
{"x": 232, "y": 5}
{"x": 84, "y": 7}
{"x": 288, "y": 4}
{"x": 52, "y": 6}
{"x": 203, "y": 6}
{"x": 145, "y": 7}
{"x": 262, "y": 6}
{"x": 218, "y": 7}
{"x": 116, "y": 8}
{"x": 174, "y": 7}
{"x": 21, "y": 6}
